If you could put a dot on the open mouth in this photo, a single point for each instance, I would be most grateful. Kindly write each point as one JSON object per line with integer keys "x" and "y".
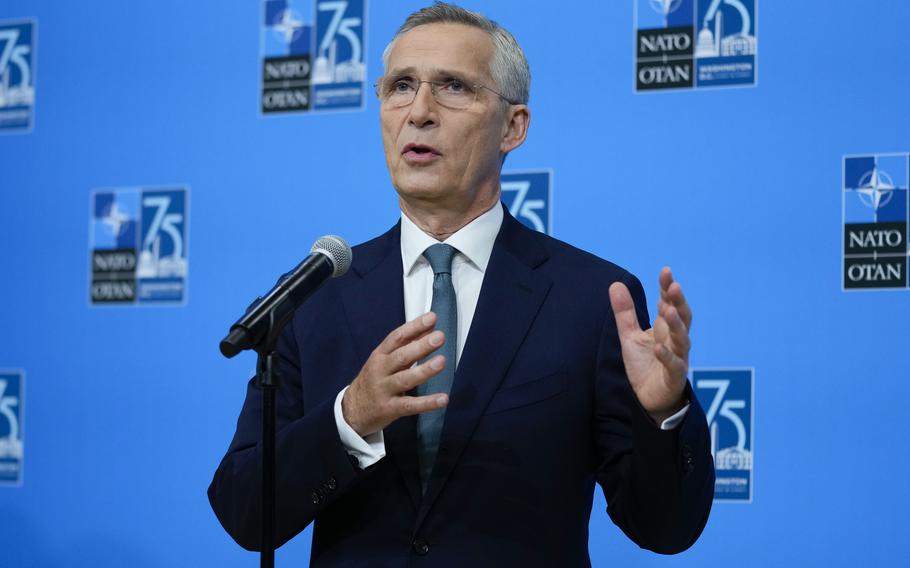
{"x": 420, "y": 151}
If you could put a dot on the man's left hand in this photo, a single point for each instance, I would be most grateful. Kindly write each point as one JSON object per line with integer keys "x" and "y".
{"x": 656, "y": 360}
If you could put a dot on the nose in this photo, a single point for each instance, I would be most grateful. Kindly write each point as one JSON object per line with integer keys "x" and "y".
{"x": 423, "y": 110}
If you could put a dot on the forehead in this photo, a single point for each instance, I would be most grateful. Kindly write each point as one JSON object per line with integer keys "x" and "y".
{"x": 451, "y": 47}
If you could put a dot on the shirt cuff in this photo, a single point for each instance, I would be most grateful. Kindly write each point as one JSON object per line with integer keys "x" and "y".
{"x": 668, "y": 424}
{"x": 368, "y": 450}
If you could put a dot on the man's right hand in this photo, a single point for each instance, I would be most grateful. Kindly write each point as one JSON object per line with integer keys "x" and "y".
{"x": 378, "y": 395}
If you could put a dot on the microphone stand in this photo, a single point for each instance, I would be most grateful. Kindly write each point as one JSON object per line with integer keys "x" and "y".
{"x": 267, "y": 378}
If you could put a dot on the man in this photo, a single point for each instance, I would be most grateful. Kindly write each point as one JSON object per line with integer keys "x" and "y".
{"x": 473, "y": 434}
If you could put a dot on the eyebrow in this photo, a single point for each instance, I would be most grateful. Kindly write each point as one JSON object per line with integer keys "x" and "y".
{"x": 434, "y": 72}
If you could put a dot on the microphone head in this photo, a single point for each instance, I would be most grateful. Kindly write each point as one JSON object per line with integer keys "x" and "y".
{"x": 337, "y": 250}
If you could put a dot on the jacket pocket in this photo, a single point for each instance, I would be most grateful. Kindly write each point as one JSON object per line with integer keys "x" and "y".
{"x": 527, "y": 393}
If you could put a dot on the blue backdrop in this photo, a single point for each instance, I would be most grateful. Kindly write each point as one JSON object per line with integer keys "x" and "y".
{"x": 130, "y": 408}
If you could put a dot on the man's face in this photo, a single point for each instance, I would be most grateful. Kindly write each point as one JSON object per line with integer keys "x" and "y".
{"x": 437, "y": 155}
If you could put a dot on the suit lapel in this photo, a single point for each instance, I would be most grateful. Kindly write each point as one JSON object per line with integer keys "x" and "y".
{"x": 374, "y": 305}
{"x": 510, "y": 297}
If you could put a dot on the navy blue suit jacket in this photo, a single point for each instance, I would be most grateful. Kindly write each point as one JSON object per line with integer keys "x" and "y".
{"x": 540, "y": 410}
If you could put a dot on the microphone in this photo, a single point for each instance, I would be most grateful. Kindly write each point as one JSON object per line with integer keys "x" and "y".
{"x": 330, "y": 257}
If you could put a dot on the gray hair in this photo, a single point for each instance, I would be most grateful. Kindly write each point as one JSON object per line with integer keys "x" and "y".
{"x": 508, "y": 66}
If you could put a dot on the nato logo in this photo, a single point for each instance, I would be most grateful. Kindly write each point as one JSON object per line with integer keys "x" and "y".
{"x": 875, "y": 210}
{"x": 314, "y": 63}
{"x": 12, "y": 390}
{"x": 727, "y": 395}
{"x": 139, "y": 246}
{"x": 17, "y": 76}
{"x": 529, "y": 197}
{"x": 683, "y": 44}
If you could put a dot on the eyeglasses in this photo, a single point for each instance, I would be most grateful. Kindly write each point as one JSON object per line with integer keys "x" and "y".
{"x": 453, "y": 93}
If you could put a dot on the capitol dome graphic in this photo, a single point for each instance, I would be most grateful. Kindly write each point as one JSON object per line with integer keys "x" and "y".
{"x": 733, "y": 458}
{"x": 715, "y": 43}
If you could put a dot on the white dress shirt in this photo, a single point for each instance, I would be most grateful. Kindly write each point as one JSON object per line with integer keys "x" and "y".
{"x": 474, "y": 245}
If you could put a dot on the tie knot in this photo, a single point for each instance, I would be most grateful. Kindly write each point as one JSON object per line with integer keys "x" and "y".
{"x": 440, "y": 258}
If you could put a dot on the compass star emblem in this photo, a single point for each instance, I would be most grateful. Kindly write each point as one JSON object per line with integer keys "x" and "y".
{"x": 875, "y": 189}
{"x": 115, "y": 219}
{"x": 665, "y": 6}
{"x": 288, "y": 25}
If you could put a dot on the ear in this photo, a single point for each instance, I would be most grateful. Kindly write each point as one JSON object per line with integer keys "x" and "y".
{"x": 515, "y": 129}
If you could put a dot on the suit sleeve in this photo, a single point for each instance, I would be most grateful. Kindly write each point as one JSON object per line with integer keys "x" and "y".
{"x": 313, "y": 468}
{"x": 659, "y": 484}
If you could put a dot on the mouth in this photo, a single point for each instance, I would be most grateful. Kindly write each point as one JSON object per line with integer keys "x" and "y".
{"x": 420, "y": 153}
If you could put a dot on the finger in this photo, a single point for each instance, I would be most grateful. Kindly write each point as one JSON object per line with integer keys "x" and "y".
{"x": 411, "y": 405}
{"x": 407, "y": 355}
{"x": 623, "y": 309}
{"x": 678, "y": 299}
{"x": 665, "y": 279}
{"x": 675, "y": 366}
{"x": 406, "y": 333}
{"x": 678, "y": 341}
{"x": 671, "y": 293}
{"x": 661, "y": 330}
{"x": 404, "y": 381}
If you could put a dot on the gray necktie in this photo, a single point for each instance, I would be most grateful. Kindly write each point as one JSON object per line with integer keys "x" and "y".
{"x": 429, "y": 424}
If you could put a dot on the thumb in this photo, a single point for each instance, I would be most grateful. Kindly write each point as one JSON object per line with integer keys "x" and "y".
{"x": 623, "y": 309}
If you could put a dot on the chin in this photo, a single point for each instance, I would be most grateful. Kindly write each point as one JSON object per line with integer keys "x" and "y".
{"x": 418, "y": 186}
{"x": 419, "y": 192}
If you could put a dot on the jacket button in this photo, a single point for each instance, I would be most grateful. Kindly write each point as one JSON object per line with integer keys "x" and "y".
{"x": 317, "y": 498}
{"x": 332, "y": 484}
{"x": 421, "y": 547}
{"x": 688, "y": 459}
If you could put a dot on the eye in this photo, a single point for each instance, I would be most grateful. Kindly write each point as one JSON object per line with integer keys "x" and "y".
{"x": 400, "y": 85}
{"x": 454, "y": 85}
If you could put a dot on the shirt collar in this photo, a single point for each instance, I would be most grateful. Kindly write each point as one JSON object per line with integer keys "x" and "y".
{"x": 474, "y": 240}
